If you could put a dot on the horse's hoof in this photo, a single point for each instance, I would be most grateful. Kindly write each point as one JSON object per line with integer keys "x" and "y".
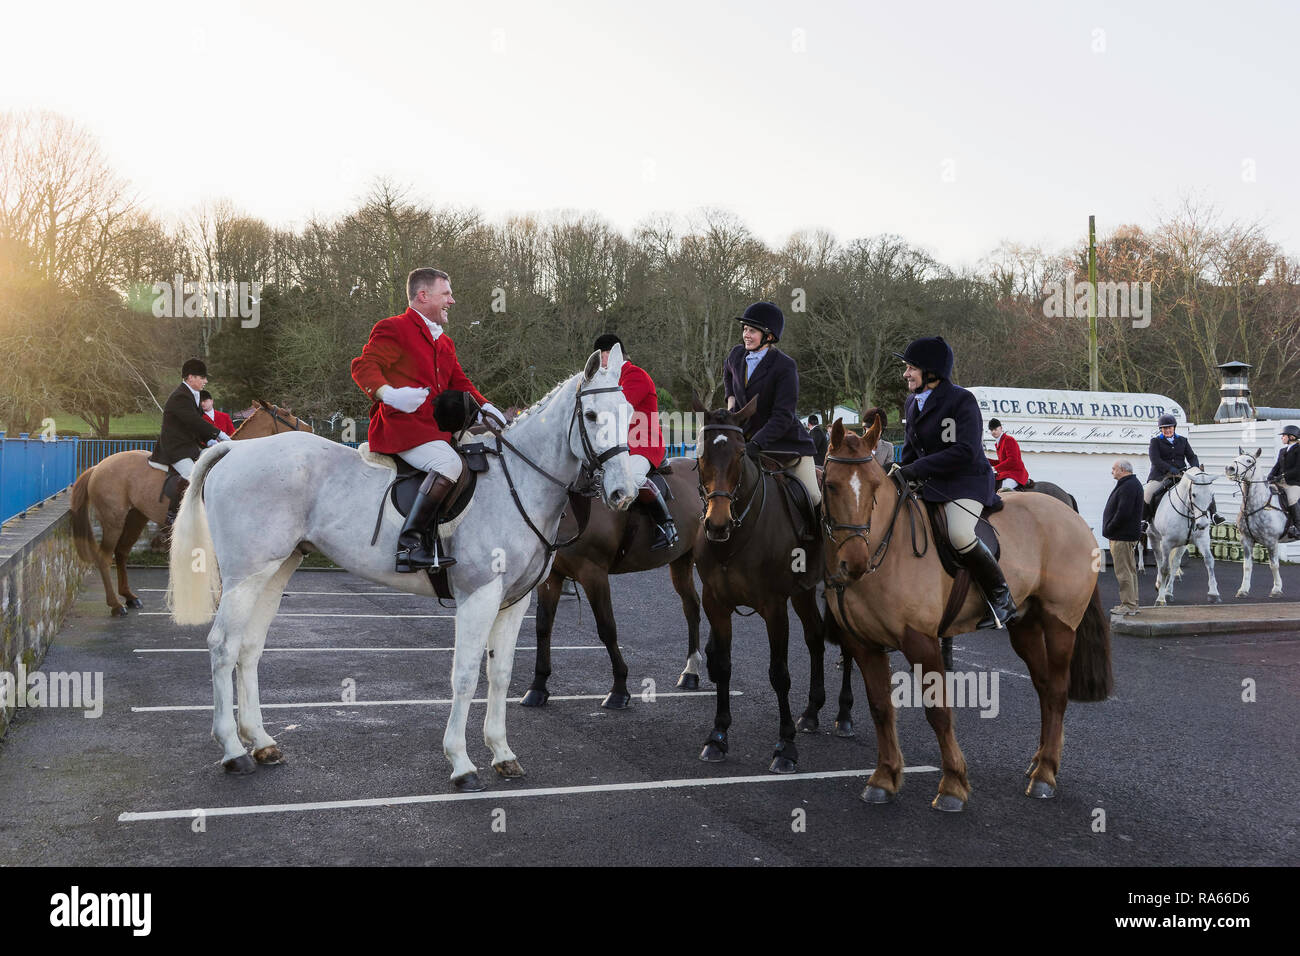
{"x": 535, "y": 697}
{"x": 616, "y": 700}
{"x": 240, "y": 765}
{"x": 806, "y": 725}
{"x": 134, "y": 602}
{"x": 1040, "y": 790}
{"x": 781, "y": 764}
{"x": 874, "y": 794}
{"x": 844, "y": 728}
{"x": 269, "y": 756}
{"x": 509, "y": 769}
{"x": 712, "y": 753}
{"x": 948, "y": 803}
{"x": 1214, "y": 599}
{"x": 468, "y": 783}
{"x": 689, "y": 682}
{"x": 118, "y": 611}
{"x": 1272, "y": 594}
{"x": 1243, "y": 594}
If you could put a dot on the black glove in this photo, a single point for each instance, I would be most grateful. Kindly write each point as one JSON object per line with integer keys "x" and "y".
{"x": 752, "y": 450}
{"x": 906, "y": 473}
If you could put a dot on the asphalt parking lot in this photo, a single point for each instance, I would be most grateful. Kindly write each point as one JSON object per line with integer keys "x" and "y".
{"x": 1177, "y": 766}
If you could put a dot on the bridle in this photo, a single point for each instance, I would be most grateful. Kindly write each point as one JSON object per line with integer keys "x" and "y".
{"x": 829, "y": 524}
{"x": 292, "y": 426}
{"x": 732, "y": 496}
{"x": 1242, "y": 478}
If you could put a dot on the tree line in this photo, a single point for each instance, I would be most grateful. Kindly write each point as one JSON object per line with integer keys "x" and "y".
{"x": 80, "y": 256}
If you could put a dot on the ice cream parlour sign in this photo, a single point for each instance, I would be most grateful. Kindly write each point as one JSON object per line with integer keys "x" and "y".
{"x": 1032, "y": 414}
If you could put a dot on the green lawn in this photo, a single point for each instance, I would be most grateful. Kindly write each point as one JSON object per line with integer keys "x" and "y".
{"x": 143, "y": 423}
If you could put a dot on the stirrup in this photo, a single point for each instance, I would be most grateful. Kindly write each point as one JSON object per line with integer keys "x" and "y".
{"x": 667, "y": 536}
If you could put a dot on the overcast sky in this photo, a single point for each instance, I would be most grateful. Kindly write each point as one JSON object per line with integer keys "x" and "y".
{"x": 956, "y": 125}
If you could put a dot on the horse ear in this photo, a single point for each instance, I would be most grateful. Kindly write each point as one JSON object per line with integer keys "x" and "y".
{"x": 872, "y": 434}
{"x": 837, "y": 433}
{"x": 593, "y": 366}
{"x": 1240, "y": 450}
{"x": 1258, "y": 452}
{"x": 751, "y": 406}
{"x": 697, "y": 405}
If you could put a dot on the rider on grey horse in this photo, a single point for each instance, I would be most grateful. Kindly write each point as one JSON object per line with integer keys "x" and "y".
{"x": 1170, "y": 456}
{"x": 407, "y": 363}
{"x": 1285, "y": 476}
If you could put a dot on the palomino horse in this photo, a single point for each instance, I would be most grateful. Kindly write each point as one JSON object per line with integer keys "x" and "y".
{"x": 1260, "y": 520}
{"x": 884, "y": 597}
{"x": 125, "y": 494}
{"x": 256, "y": 508}
{"x": 618, "y": 542}
{"x": 750, "y": 554}
{"x": 1183, "y": 518}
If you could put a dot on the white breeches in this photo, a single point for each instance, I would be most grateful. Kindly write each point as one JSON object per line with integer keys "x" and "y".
{"x": 962, "y": 514}
{"x": 433, "y": 456}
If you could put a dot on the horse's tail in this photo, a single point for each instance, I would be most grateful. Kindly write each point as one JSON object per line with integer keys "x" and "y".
{"x": 195, "y": 585}
{"x": 79, "y": 510}
{"x": 1091, "y": 677}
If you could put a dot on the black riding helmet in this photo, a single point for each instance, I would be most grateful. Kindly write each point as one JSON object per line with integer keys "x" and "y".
{"x": 932, "y": 355}
{"x": 454, "y": 410}
{"x": 1166, "y": 420}
{"x": 766, "y": 317}
{"x": 1292, "y": 430}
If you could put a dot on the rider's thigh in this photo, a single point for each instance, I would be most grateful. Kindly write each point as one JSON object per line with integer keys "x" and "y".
{"x": 433, "y": 456}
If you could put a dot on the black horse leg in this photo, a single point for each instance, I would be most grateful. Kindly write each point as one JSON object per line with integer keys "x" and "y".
{"x": 718, "y": 653}
{"x": 603, "y": 607}
{"x": 805, "y": 605}
{"x": 548, "y": 597}
{"x": 784, "y": 756}
{"x": 684, "y": 584}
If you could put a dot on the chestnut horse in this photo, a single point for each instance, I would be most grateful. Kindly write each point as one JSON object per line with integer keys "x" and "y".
{"x": 125, "y": 492}
{"x": 884, "y": 597}
{"x": 617, "y": 542}
{"x": 749, "y": 554}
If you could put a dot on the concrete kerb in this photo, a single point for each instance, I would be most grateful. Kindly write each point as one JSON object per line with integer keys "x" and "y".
{"x": 1207, "y": 619}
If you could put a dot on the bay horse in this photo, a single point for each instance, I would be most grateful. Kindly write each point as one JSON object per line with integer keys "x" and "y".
{"x": 749, "y": 554}
{"x": 125, "y": 493}
{"x": 884, "y": 597}
{"x": 618, "y": 542}
{"x": 255, "y": 509}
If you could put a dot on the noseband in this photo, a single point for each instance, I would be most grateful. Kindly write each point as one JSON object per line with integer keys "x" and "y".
{"x": 732, "y": 496}
{"x": 830, "y": 525}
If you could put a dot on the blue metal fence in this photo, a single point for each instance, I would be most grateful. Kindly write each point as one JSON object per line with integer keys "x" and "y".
{"x": 31, "y": 470}
{"x": 91, "y": 451}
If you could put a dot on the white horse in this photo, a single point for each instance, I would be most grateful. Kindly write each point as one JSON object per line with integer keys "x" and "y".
{"x": 1183, "y": 518}
{"x": 1260, "y": 520}
{"x": 272, "y": 501}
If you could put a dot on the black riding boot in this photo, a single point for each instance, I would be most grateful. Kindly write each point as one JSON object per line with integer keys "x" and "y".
{"x": 665, "y": 527}
{"x": 1293, "y": 528}
{"x": 164, "y": 536}
{"x": 1215, "y": 517}
{"x": 984, "y": 569}
{"x": 418, "y": 545}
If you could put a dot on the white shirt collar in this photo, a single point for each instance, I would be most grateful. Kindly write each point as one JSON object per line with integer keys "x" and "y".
{"x": 434, "y": 328}
{"x": 211, "y": 416}
{"x": 192, "y": 392}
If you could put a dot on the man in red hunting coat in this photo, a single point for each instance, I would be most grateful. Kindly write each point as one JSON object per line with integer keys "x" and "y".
{"x": 1008, "y": 466}
{"x": 408, "y": 362}
{"x": 645, "y": 443}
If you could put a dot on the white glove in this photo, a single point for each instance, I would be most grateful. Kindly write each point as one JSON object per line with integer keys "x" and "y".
{"x": 490, "y": 409}
{"x": 406, "y": 399}
{"x": 211, "y": 442}
{"x": 222, "y": 436}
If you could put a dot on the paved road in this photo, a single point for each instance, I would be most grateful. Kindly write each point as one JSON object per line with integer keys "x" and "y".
{"x": 1184, "y": 770}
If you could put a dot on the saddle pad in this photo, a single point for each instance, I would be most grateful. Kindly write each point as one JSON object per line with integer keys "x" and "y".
{"x": 983, "y": 530}
{"x": 406, "y": 487}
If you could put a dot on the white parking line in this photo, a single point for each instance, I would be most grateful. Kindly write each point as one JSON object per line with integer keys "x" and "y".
{"x": 450, "y": 617}
{"x": 384, "y": 593}
{"x": 349, "y": 650}
{"x": 503, "y": 794}
{"x": 407, "y": 703}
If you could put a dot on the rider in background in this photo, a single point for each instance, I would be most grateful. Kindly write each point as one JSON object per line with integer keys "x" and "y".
{"x": 1170, "y": 456}
{"x": 943, "y": 449}
{"x": 1008, "y": 466}
{"x": 756, "y": 368}
{"x": 645, "y": 443}
{"x": 185, "y": 431}
{"x": 408, "y": 362}
{"x": 1286, "y": 477}
{"x": 220, "y": 419}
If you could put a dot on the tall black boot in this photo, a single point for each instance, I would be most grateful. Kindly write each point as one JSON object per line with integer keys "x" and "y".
{"x": 984, "y": 569}
{"x": 1293, "y": 528}
{"x": 418, "y": 545}
{"x": 1215, "y": 517}
{"x": 665, "y": 527}
{"x": 163, "y": 539}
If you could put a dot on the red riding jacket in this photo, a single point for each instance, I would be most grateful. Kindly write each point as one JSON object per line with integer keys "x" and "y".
{"x": 401, "y": 353}
{"x": 643, "y": 435}
{"x": 1009, "y": 463}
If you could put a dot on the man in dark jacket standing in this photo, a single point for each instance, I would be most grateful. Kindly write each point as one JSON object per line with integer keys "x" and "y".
{"x": 1121, "y": 525}
{"x": 755, "y": 368}
{"x": 821, "y": 441}
{"x": 185, "y": 431}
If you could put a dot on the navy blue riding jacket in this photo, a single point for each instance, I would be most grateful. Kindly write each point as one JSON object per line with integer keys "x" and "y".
{"x": 942, "y": 445}
{"x": 774, "y": 425}
{"x": 1167, "y": 458}
{"x": 1288, "y": 465}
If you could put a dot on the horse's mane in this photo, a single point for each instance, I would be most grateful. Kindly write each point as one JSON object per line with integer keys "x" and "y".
{"x": 542, "y": 402}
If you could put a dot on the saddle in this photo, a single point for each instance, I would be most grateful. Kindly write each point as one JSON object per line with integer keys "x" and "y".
{"x": 948, "y": 557}
{"x": 798, "y": 505}
{"x": 173, "y": 485}
{"x": 644, "y": 500}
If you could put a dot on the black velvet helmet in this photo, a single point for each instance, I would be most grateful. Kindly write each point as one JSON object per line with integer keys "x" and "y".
{"x": 194, "y": 367}
{"x": 932, "y": 355}
{"x": 606, "y": 342}
{"x": 1292, "y": 430}
{"x": 1168, "y": 420}
{"x": 765, "y": 316}
{"x": 454, "y": 410}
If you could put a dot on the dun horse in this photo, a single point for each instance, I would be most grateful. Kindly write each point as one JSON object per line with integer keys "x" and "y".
{"x": 125, "y": 493}
{"x": 749, "y": 554}
{"x": 618, "y": 542}
{"x": 885, "y": 597}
